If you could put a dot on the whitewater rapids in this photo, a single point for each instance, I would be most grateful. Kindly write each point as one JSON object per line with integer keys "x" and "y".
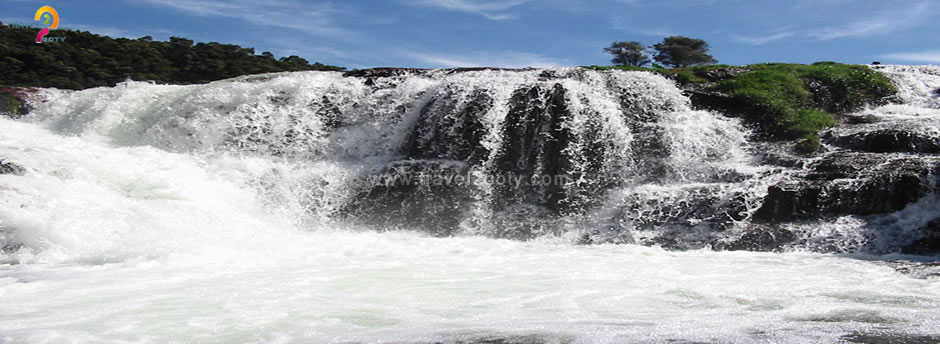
{"x": 131, "y": 227}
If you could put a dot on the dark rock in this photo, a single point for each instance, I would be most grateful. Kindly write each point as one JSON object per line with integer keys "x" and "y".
{"x": 450, "y": 130}
{"x": 722, "y": 73}
{"x": 7, "y": 167}
{"x": 384, "y": 72}
{"x": 762, "y": 239}
{"x": 929, "y": 245}
{"x": 522, "y": 222}
{"x": 715, "y": 101}
{"x": 916, "y": 269}
{"x": 534, "y": 142}
{"x": 849, "y": 184}
{"x": 777, "y": 155}
{"x": 862, "y": 119}
{"x": 887, "y": 141}
{"x": 937, "y": 92}
{"x": 680, "y": 219}
{"x": 477, "y": 69}
{"x": 9, "y": 247}
{"x": 426, "y": 195}
{"x": 876, "y": 63}
{"x": 890, "y": 338}
{"x": 508, "y": 339}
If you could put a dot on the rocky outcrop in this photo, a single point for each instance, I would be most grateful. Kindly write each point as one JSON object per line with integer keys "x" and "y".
{"x": 847, "y": 183}
{"x": 892, "y": 140}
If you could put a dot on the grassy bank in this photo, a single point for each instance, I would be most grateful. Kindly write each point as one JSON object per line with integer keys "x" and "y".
{"x": 782, "y": 101}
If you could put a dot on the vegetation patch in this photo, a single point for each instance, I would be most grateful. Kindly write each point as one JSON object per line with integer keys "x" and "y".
{"x": 782, "y": 101}
{"x": 10, "y": 105}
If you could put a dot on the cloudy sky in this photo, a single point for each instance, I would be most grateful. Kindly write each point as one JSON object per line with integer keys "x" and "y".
{"x": 519, "y": 33}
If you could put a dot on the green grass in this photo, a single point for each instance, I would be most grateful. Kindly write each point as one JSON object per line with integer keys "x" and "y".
{"x": 787, "y": 101}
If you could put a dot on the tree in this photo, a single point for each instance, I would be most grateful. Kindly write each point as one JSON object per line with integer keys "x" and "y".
{"x": 628, "y": 53}
{"x": 679, "y": 51}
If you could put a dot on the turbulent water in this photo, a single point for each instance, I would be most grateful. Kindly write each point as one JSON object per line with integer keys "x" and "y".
{"x": 442, "y": 206}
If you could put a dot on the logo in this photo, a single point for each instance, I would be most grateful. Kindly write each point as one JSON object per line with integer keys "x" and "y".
{"x": 47, "y": 16}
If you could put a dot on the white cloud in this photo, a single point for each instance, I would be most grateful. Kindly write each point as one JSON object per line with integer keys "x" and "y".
{"x": 764, "y": 39}
{"x": 886, "y": 23}
{"x": 494, "y": 10}
{"x": 932, "y": 56}
{"x": 277, "y": 13}
{"x": 103, "y": 30}
{"x": 504, "y": 59}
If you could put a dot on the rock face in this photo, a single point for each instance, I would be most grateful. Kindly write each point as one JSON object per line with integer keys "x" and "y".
{"x": 427, "y": 195}
{"x": 451, "y": 131}
{"x": 850, "y": 184}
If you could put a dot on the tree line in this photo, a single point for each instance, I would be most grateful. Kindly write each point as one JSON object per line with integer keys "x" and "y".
{"x": 675, "y": 51}
{"x": 87, "y": 60}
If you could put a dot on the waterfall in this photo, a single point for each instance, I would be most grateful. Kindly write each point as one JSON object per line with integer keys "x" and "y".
{"x": 592, "y": 156}
{"x": 533, "y": 149}
{"x": 460, "y": 206}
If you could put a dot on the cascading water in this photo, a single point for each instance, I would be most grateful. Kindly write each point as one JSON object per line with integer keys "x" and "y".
{"x": 318, "y": 207}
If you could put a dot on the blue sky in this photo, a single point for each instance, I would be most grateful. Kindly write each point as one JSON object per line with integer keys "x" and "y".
{"x": 519, "y": 33}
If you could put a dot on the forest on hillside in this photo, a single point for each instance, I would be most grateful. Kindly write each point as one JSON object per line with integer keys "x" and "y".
{"x": 87, "y": 60}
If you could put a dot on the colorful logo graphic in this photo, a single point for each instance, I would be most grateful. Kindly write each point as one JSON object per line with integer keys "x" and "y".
{"x": 49, "y": 17}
